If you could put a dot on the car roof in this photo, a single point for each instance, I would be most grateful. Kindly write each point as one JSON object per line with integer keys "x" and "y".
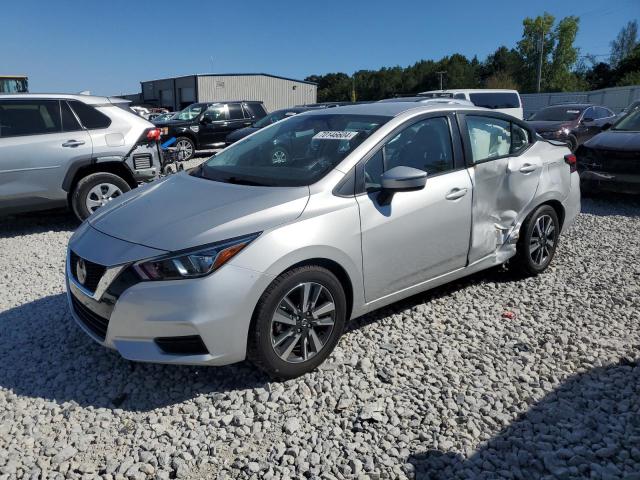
{"x": 90, "y": 99}
{"x": 472, "y": 90}
{"x": 571, "y": 105}
{"x": 390, "y": 109}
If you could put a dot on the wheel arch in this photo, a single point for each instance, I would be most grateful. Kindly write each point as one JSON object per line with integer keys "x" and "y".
{"x": 115, "y": 168}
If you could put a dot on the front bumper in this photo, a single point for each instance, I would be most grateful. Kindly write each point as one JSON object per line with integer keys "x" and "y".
{"x": 610, "y": 182}
{"x": 217, "y": 308}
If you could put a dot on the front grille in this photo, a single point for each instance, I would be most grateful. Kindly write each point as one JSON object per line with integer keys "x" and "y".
{"x": 94, "y": 322}
{"x": 94, "y": 272}
{"x": 142, "y": 161}
{"x": 187, "y": 345}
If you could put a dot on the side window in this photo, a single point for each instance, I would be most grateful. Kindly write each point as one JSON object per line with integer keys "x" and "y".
{"x": 247, "y": 113}
{"x": 69, "y": 120}
{"x": 489, "y": 137}
{"x": 460, "y": 96}
{"x": 589, "y": 114}
{"x": 425, "y": 145}
{"x": 519, "y": 139}
{"x": 256, "y": 109}
{"x": 29, "y": 117}
{"x": 89, "y": 116}
{"x": 603, "y": 112}
{"x": 235, "y": 112}
{"x": 216, "y": 113}
{"x": 373, "y": 171}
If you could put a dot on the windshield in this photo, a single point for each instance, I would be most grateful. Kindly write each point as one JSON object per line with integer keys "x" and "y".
{"x": 298, "y": 151}
{"x": 629, "y": 123}
{"x": 557, "y": 114}
{"x": 273, "y": 118}
{"x": 189, "y": 113}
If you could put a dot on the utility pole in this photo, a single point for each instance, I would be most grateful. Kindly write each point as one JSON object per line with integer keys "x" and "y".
{"x": 541, "y": 48}
{"x": 441, "y": 75}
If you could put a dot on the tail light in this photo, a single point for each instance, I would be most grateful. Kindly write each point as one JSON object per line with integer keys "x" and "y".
{"x": 154, "y": 134}
{"x": 572, "y": 161}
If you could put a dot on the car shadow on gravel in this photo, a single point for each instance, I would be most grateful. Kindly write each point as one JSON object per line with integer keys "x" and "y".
{"x": 607, "y": 204}
{"x": 589, "y": 427}
{"x": 44, "y": 354}
{"x": 60, "y": 220}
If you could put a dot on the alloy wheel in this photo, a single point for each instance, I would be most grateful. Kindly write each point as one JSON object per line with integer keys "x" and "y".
{"x": 303, "y": 322}
{"x": 543, "y": 240}
{"x": 185, "y": 149}
{"x": 100, "y": 195}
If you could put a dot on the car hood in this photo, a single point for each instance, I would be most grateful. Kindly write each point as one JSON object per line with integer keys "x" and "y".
{"x": 241, "y": 133}
{"x": 183, "y": 211}
{"x": 548, "y": 126}
{"x": 176, "y": 123}
{"x": 615, "y": 140}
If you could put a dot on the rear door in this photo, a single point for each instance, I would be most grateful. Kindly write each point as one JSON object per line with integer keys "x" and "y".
{"x": 505, "y": 177}
{"x": 38, "y": 140}
{"x": 420, "y": 234}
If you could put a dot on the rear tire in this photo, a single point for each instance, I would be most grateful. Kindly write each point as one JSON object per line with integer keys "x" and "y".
{"x": 538, "y": 241}
{"x": 94, "y": 191}
{"x": 287, "y": 339}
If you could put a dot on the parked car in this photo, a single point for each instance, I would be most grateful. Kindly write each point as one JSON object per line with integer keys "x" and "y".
{"x": 75, "y": 150}
{"x": 273, "y": 117}
{"x": 257, "y": 257}
{"x": 630, "y": 108}
{"x": 430, "y": 101}
{"x": 610, "y": 161}
{"x": 203, "y": 126}
{"x": 574, "y": 123}
{"x": 505, "y": 101}
{"x": 141, "y": 111}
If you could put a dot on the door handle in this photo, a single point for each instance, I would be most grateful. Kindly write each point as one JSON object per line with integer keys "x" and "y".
{"x": 72, "y": 143}
{"x": 456, "y": 193}
{"x": 528, "y": 168}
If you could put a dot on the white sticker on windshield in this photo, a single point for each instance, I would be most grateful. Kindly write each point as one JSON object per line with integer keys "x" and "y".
{"x": 335, "y": 135}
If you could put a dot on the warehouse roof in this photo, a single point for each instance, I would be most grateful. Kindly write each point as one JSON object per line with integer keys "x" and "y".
{"x": 232, "y": 75}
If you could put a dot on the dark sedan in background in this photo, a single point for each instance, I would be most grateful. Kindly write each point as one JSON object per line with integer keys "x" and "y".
{"x": 573, "y": 123}
{"x": 610, "y": 161}
{"x": 273, "y": 117}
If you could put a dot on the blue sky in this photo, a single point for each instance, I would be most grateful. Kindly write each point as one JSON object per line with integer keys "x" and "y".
{"x": 109, "y": 47}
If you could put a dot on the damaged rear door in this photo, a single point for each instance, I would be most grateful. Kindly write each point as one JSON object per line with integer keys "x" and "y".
{"x": 505, "y": 178}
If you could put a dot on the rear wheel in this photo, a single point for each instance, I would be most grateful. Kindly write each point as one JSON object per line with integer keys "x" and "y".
{"x": 95, "y": 191}
{"x": 298, "y": 322}
{"x": 538, "y": 241}
{"x": 185, "y": 148}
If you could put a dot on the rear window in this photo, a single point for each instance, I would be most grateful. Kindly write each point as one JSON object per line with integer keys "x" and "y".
{"x": 89, "y": 116}
{"x": 495, "y": 100}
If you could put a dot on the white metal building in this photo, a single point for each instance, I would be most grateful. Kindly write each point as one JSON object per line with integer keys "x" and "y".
{"x": 276, "y": 92}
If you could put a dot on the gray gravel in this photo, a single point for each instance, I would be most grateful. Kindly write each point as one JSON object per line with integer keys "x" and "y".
{"x": 442, "y": 385}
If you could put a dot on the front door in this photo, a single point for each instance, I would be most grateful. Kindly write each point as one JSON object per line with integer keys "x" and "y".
{"x": 213, "y": 126}
{"x": 505, "y": 177}
{"x": 37, "y": 143}
{"x": 422, "y": 234}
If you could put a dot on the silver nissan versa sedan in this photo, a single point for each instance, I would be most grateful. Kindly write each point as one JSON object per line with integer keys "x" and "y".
{"x": 268, "y": 248}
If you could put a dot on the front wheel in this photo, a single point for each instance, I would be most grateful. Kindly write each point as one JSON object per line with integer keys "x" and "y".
{"x": 95, "y": 191}
{"x": 185, "y": 148}
{"x": 298, "y": 322}
{"x": 538, "y": 241}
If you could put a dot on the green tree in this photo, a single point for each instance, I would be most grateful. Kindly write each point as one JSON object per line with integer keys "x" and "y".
{"x": 624, "y": 43}
{"x": 564, "y": 57}
{"x": 537, "y": 32}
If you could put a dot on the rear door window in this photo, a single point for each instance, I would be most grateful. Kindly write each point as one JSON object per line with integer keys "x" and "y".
{"x": 490, "y": 138}
{"x": 29, "y": 117}
{"x": 69, "y": 121}
{"x": 256, "y": 110}
{"x": 90, "y": 117}
{"x": 235, "y": 112}
{"x": 495, "y": 100}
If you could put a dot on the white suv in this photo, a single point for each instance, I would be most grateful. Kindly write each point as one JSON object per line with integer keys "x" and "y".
{"x": 75, "y": 150}
{"x": 505, "y": 101}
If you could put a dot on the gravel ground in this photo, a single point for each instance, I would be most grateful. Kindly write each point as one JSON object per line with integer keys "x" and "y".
{"x": 490, "y": 377}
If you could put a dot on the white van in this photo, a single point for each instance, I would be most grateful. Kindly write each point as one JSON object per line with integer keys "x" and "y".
{"x": 505, "y": 101}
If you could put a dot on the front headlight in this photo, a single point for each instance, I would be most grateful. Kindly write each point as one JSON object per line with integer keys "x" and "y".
{"x": 192, "y": 263}
{"x": 565, "y": 130}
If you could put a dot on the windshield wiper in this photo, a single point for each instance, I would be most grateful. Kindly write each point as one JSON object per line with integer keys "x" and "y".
{"x": 242, "y": 181}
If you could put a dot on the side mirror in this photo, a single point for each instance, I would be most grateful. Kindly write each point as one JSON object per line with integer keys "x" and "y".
{"x": 400, "y": 179}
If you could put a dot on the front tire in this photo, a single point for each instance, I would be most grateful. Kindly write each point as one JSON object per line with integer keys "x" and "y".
{"x": 298, "y": 322}
{"x": 186, "y": 148}
{"x": 538, "y": 241}
{"x": 95, "y": 191}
